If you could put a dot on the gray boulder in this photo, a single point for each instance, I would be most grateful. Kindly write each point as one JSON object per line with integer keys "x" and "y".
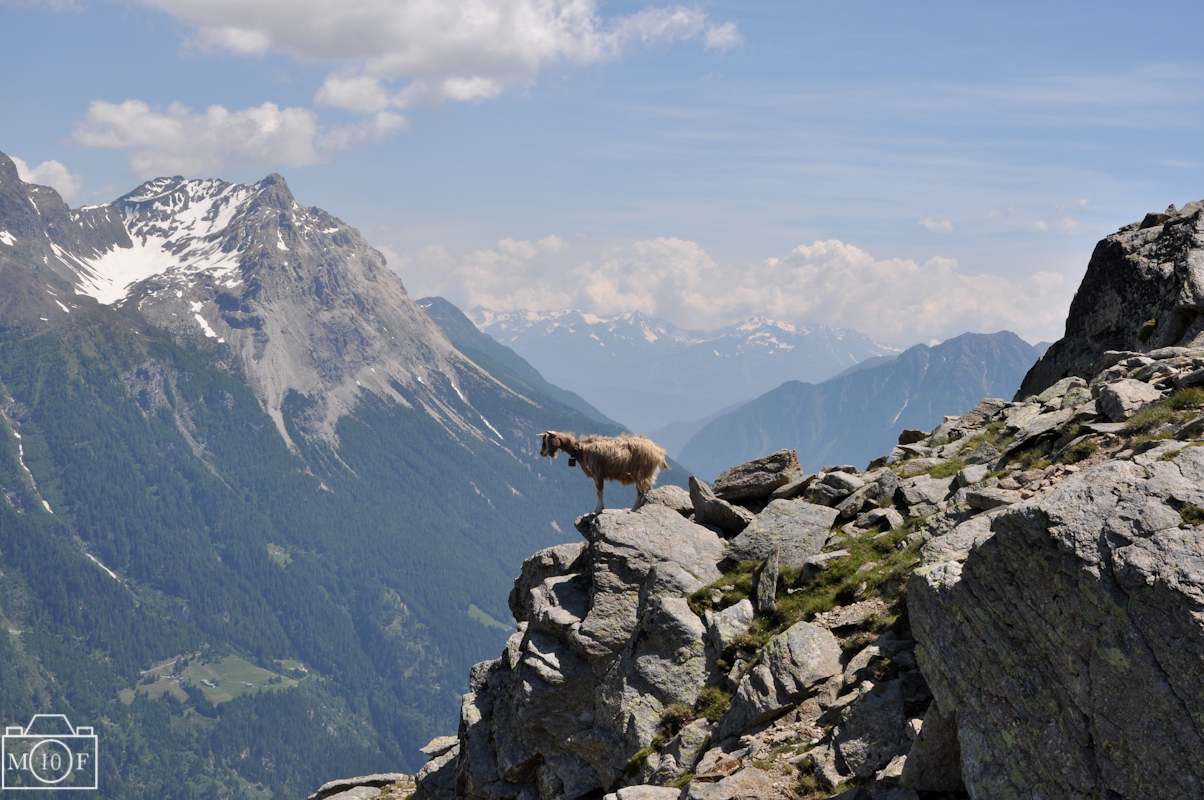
{"x": 673, "y": 497}
{"x": 968, "y": 476}
{"x": 437, "y": 778}
{"x": 749, "y": 783}
{"x": 1086, "y": 598}
{"x": 550, "y": 561}
{"x": 886, "y": 517}
{"x": 934, "y": 762}
{"x": 646, "y": 793}
{"x": 869, "y": 730}
{"x": 711, "y": 510}
{"x": 759, "y": 477}
{"x": 790, "y": 666}
{"x": 724, "y": 626}
{"x": 624, "y": 549}
{"x": 765, "y": 585}
{"x": 796, "y": 529}
{"x": 793, "y": 489}
{"x": 1122, "y": 399}
{"x": 367, "y": 786}
{"x": 923, "y": 495}
{"x": 985, "y": 498}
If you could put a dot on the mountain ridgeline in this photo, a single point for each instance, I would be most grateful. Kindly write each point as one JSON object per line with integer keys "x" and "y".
{"x": 256, "y": 505}
{"x": 859, "y": 414}
{"x": 649, "y": 373}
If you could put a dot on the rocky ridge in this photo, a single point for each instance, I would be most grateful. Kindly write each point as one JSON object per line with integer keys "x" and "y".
{"x": 303, "y": 302}
{"x": 1006, "y": 606}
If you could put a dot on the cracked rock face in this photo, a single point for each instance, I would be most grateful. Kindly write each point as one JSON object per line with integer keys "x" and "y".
{"x": 1071, "y": 644}
{"x": 606, "y": 642}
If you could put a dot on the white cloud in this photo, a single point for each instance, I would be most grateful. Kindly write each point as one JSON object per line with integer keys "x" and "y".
{"x": 829, "y": 282}
{"x": 52, "y": 174}
{"x": 1061, "y": 222}
{"x": 177, "y": 140}
{"x": 724, "y": 37}
{"x": 445, "y": 49}
{"x": 937, "y": 225}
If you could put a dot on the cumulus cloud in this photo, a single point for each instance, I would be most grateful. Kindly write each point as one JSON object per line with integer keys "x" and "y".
{"x": 52, "y": 174}
{"x": 444, "y": 49}
{"x": 936, "y": 225}
{"x": 829, "y": 282}
{"x": 178, "y": 140}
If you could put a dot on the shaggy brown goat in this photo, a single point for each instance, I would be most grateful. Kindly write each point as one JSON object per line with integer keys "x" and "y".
{"x": 626, "y": 459}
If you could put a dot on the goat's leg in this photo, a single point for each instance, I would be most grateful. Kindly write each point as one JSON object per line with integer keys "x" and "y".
{"x": 598, "y": 481}
{"x": 639, "y": 500}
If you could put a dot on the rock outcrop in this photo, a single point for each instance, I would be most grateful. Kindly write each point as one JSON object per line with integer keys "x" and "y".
{"x": 1009, "y": 606}
{"x": 1143, "y": 291}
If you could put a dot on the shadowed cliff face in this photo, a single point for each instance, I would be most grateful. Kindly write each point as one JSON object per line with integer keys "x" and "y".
{"x": 1144, "y": 289}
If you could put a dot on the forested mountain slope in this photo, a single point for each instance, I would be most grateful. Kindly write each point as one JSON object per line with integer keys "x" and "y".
{"x": 232, "y": 449}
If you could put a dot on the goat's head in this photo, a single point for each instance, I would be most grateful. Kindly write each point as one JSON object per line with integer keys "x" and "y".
{"x": 554, "y": 442}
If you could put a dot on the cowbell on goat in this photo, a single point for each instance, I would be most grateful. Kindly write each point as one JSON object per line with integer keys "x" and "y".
{"x": 626, "y": 459}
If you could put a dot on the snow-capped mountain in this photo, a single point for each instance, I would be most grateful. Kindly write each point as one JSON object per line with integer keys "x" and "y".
{"x": 301, "y": 298}
{"x": 225, "y": 427}
{"x": 648, "y": 373}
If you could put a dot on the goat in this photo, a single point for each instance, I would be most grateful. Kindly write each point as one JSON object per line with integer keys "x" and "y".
{"x": 626, "y": 459}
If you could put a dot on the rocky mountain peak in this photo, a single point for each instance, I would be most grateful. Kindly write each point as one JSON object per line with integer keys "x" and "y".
{"x": 303, "y": 302}
{"x": 1143, "y": 290}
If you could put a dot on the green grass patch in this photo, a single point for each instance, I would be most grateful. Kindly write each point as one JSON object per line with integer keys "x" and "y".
{"x": 713, "y": 702}
{"x": 1192, "y": 515}
{"x": 477, "y": 615}
{"x": 675, "y": 717}
{"x": 1147, "y": 419}
{"x": 738, "y": 577}
{"x": 841, "y": 583}
{"x": 232, "y": 677}
{"x": 637, "y": 761}
{"x": 279, "y": 555}
{"x": 1186, "y": 399}
{"x": 1179, "y": 407}
{"x": 682, "y": 781}
{"x": 992, "y": 435}
{"x": 948, "y": 469}
{"x": 1147, "y": 441}
{"x": 1033, "y": 458}
{"x": 1079, "y": 451}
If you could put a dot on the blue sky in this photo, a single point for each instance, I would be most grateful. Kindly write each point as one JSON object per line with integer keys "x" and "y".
{"x": 912, "y": 170}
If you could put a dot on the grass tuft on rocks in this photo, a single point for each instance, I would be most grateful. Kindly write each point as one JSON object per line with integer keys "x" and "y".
{"x": 1147, "y": 419}
{"x": 1179, "y": 407}
{"x": 992, "y": 435}
{"x": 947, "y": 469}
{"x": 713, "y": 702}
{"x": 637, "y": 760}
{"x": 1186, "y": 399}
{"x": 1033, "y": 458}
{"x": 1079, "y": 451}
{"x": 1192, "y": 515}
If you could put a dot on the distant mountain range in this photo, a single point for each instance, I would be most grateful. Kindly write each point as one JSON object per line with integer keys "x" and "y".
{"x": 859, "y": 414}
{"x": 646, "y": 373}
